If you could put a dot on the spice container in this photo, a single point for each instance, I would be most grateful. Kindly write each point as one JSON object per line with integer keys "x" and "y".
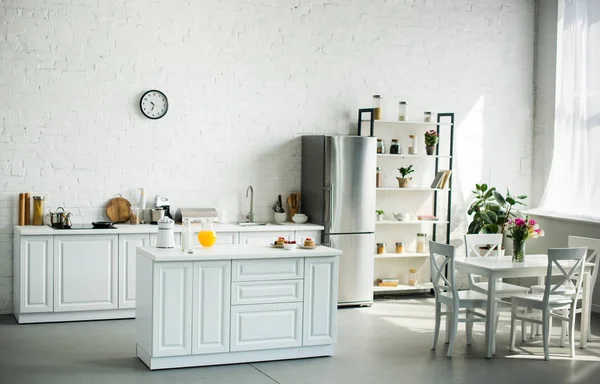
{"x": 402, "y": 111}
{"x": 380, "y": 248}
{"x": 412, "y": 276}
{"x": 134, "y": 215}
{"x": 38, "y": 210}
{"x": 378, "y": 177}
{"x": 380, "y": 146}
{"x": 395, "y": 147}
{"x": 377, "y": 107}
{"x": 412, "y": 145}
{"x": 421, "y": 242}
{"x": 399, "y": 247}
{"x": 428, "y": 117}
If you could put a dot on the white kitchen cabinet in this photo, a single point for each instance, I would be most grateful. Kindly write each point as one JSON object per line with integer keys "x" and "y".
{"x": 267, "y": 269}
{"x": 127, "y": 245}
{"x": 320, "y": 298}
{"x": 172, "y": 331}
{"x": 266, "y": 326}
{"x": 85, "y": 272}
{"x": 176, "y": 236}
{"x": 265, "y": 292}
{"x": 36, "y": 292}
{"x": 264, "y": 238}
{"x": 211, "y": 306}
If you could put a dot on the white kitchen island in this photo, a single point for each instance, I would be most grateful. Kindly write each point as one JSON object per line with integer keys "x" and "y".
{"x": 234, "y": 304}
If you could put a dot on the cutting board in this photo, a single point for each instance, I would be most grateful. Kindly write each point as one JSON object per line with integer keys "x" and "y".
{"x": 118, "y": 210}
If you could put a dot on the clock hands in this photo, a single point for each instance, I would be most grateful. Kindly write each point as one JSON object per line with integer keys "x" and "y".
{"x": 152, "y": 106}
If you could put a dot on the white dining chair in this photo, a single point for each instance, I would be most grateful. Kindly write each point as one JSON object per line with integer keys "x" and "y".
{"x": 446, "y": 293}
{"x": 473, "y": 244}
{"x": 551, "y": 303}
{"x": 593, "y": 246}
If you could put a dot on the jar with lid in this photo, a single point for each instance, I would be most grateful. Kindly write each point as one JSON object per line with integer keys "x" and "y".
{"x": 380, "y": 248}
{"x": 377, "y": 107}
{"x": 186, "y": 237}
{"x": 421, "y": 242}
{"x": 378, "y": 177}
{"x": 402, "y": 111}
{"x": 412, "y": 145}
{"x": 412, "y": 276}
{"x": 399, "y": 247}
{"x": 428, "y": 117}
{"x": 207, "y": 235}
{"x": 38, "y": 210}
{"x": 380, "y": 146}
{"x": 134, "y": 214}
{"x": 395, "y": 147}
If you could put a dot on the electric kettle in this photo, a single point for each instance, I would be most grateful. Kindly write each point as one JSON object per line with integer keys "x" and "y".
{"x": 166, "y": 236}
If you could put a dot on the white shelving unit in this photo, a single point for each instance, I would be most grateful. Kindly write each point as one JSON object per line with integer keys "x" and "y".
{"x": 419, "y": 198}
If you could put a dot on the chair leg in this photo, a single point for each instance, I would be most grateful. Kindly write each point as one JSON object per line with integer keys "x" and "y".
{"x": 448, "y": 323}
{"x": 513, "y": 314}
{"x": 436, "y": 331}
{"x": 563, "y": 328}
{"x": 545, "y": 334}
{"x": 454, "y": 327}
{"x": 523, "y": 331}
{"x": 469, "y": 327}
{"x": 589, "y": 330}
{"x": 496, "y": 328}
{"x": 572, "y": 316}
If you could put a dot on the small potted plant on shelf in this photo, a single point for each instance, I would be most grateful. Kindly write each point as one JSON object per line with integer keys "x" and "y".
{"x": 431, "y": 140}
{"x": 403, "y": 181}
{"x": 380, "y": 213}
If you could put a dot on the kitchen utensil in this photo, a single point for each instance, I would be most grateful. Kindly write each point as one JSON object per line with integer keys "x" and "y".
{"x": 156, "y": 214}
{"x": 56, "y": 218}
{"x": 118, "y": 209}
{"x": 166, "y": 236}
{"x": 27, "y": 208}
{"x": 21, "y": 209}
{"x": 102, "y": 224}
{"x": 165, "y": 204}
{"x": 280, "y": 204}
{"x": 66, "y": 220}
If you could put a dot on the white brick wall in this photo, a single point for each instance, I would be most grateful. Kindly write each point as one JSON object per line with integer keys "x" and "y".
{"x": 244, "y": 80}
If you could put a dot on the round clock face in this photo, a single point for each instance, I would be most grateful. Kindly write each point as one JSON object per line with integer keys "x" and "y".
{"x": 154, "y": 104}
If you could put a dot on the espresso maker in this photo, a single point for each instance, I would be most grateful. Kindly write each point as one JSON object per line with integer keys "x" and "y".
{"x": 162, "y": 208}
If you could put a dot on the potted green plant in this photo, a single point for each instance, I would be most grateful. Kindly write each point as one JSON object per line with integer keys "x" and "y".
{"x": 431, "y": 140}
{"x": 380, "y": 213}
{"x": 491, "y": 211}
{"x": 403, "y": 181}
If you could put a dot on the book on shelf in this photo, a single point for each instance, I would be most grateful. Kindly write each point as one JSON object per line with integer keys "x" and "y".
{"x": 427, "y": 218}
{"x": 387, "y": 282}
{"x": 441, "y": 179}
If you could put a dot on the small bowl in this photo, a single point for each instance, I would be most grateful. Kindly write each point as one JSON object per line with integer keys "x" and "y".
{"x": 300, "y": 219}
{"x": 289, "y": 247}
{"x": 280, "y": 217}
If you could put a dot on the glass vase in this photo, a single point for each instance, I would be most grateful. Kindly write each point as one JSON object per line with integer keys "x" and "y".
{"x": 518, "y": 250}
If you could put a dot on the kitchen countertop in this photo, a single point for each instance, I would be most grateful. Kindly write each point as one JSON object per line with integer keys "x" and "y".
{"x": 234, "y": 252}
{"x": 32, "y": 230}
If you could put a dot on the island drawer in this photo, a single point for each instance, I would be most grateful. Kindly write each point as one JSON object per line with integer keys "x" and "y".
{"x": 267, "y": 269}
{"x": 265, "y": 292}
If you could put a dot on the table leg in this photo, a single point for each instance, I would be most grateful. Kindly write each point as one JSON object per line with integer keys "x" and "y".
{"x": 490, "y": 317}
{"x": 585, "y": 309}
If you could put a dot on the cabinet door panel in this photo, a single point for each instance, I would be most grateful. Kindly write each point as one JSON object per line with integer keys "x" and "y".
{"x": 85, "y": 272}
{"x": 320, "y": 301}
{"x": 211, "y": 299}
{"x": 266, "y": 326}
{"x": 268, "y": 269}
{"x": 265, "y": 292}
{"x": 172, "y": 314}
{"x": 127, "y": 249}
{"x": 36, "y": 274}
{"x": 264, "y": 238}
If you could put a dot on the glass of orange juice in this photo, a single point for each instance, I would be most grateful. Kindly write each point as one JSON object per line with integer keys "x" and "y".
{"x": 207, "y": 235}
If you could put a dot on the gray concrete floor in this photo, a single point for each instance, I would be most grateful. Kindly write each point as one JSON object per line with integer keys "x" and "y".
{"x": 387, "y": 343}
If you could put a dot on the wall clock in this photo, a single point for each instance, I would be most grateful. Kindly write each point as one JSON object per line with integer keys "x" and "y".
{"x": 154, "y": 104}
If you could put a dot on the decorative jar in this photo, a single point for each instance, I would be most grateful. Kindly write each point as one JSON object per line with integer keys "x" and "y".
{"x": 402, "y": 111}
{"x": 377, "y": 107}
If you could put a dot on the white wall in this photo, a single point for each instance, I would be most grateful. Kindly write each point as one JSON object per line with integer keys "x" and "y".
{"x": 244, "y": 80}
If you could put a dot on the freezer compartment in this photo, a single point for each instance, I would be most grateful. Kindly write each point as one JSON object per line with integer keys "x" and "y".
{"x": 356, "y": 267}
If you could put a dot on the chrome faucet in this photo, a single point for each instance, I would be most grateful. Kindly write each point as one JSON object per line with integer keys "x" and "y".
{"x": 250, "y": 215}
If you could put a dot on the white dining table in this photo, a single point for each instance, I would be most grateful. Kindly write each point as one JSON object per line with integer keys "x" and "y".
{"x": 495, "y": 268}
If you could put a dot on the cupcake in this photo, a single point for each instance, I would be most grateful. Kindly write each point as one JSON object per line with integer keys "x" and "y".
{"x": 280, "y": 241}
{"x": 308, "y": 242}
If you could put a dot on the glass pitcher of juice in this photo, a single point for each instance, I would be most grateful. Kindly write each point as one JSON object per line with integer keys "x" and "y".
{"x": 207, "y": 235}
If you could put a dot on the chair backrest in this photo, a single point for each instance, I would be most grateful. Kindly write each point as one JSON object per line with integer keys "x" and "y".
{"x": 593, "y": 246}
{"x": 472, "y": 244}
{"x": 442, "y": 255}
{"x": 569, "y": 261}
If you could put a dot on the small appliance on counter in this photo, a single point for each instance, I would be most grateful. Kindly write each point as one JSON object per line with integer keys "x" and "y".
{"x": 195, "y": 215}
{"x": 166, "y": 236}
{"x": 162, "y": 208}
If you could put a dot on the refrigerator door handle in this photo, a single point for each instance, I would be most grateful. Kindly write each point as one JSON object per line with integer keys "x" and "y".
{"x": 328, "y": 208}
{"x": 330, "y": 204}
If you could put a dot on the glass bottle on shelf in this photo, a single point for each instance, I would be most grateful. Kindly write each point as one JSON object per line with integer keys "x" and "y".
{"x": 377, "y": 107}
{"x": 380, "y": 146}
{"x": 412, "y": 276}
{"x": 421, "y": 242}
{"x": 412, "y": 145}
{"x": 207, "y": 235}
{"x": 428, "y": 117}
{"x": 399, "y": 247}
{"x": 402, "y": 111}
{"x": 378, "y": 177}
{"x": 395, "y": 147}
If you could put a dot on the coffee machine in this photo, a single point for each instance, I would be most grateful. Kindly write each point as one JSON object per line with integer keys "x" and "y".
{"x": 161, "y": 203}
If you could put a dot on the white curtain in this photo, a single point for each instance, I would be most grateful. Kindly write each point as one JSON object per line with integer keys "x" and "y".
{"x": 573, "y": 187}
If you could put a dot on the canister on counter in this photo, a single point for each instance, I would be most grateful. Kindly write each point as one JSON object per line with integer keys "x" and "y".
{"x": 380, "y": 248}
{"x": 38, "y": 210}
{"x": 421, "y": 242}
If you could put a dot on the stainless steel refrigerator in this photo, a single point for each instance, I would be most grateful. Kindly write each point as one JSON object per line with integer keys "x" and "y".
{"x": 338, "y": 192}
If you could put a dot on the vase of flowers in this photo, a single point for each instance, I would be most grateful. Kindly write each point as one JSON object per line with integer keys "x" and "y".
{"x": 519, "y": 230}
{"x": 431, "y": 140}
